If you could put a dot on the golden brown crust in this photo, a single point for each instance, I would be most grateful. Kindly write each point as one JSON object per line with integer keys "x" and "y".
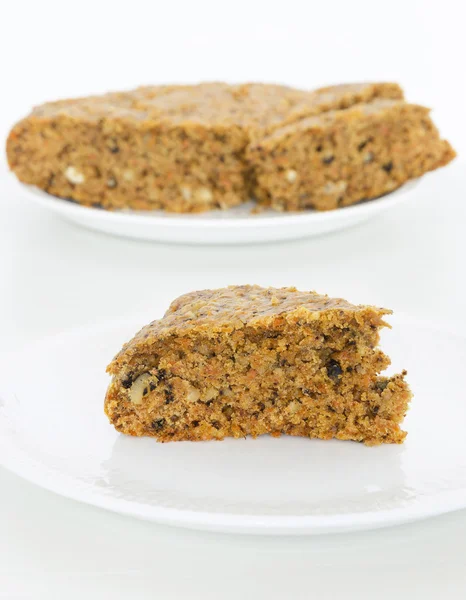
{"x": 245, "y": 360}
{"x": 250, "y": 105}
{"x": 224, "y": 310}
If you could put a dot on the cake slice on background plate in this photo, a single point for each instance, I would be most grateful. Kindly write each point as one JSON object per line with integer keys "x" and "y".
{"x": 179, "y": 148}
{"x": 341, "y": 157}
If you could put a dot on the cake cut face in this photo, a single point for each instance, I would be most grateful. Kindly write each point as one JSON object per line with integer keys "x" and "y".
{"x": 341, "y": 157}
{"x": 178, "y": 148}
{"x": 246, "y": 360}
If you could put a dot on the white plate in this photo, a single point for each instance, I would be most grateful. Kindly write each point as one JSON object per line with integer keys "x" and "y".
{"x": 54, "y": 433}
{"x": 233, "y": 226}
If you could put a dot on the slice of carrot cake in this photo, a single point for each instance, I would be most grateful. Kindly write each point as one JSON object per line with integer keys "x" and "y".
{"x": 246, "y": 360}
{"x": 341, "y": 157}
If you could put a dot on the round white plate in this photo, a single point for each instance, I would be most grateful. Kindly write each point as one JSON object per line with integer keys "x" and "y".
{"x": 54, "y": 433}
{"x": 233, "y": 226}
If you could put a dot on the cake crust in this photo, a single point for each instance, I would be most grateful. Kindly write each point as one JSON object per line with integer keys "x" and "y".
{"x": 247, "y": 360}
{"x": 228, "y": 309}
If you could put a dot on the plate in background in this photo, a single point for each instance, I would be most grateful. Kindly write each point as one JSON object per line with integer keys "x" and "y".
{"x": 232, "y": 226}
{"x": 54, "y": 433}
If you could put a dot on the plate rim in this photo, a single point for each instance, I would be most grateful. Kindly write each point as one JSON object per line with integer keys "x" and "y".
{"x": 444, "y": 503}
{"x": 191, "y": 220}
{"x": 16, "y": 460}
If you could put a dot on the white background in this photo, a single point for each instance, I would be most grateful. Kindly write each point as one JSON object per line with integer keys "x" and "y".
{"x": 54, "y": 276}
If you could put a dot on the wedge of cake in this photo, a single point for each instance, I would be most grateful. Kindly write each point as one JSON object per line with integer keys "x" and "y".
{"x": 178, "y": 148}
{"x": 344, "y": 156}
{"x": 246, "y": 360}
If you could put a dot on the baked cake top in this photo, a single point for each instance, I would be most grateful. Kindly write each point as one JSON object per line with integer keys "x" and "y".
{"x": 225, "y": 310}
{"x": 251, "y": 105}
{"x": 377, "y": 108}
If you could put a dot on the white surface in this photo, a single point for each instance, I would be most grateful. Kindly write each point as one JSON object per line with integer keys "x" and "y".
{"x": 234, "y": 226}
{"x": 54, "y": 276}
{"x": 53, "y": 432}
